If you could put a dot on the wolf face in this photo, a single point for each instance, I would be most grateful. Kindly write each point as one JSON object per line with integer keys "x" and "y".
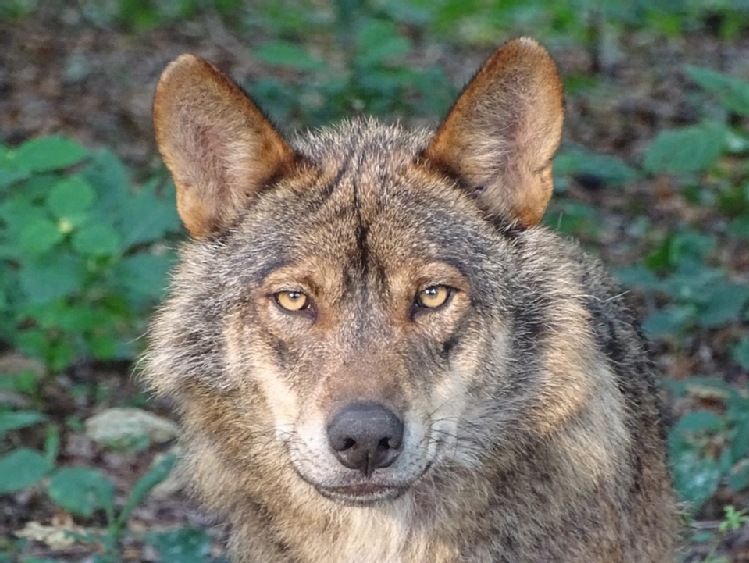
{"x": 369, "y": 323}
{"x": 354, "y": 317}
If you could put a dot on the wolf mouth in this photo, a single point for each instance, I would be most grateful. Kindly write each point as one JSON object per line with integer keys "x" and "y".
{"x": 364, "y": 494}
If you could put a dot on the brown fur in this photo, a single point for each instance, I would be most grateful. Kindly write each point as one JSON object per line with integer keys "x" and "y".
{"x": 532, "y": 427}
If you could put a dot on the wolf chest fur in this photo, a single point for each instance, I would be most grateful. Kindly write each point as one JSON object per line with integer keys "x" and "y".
{"x": 379, "y": 355}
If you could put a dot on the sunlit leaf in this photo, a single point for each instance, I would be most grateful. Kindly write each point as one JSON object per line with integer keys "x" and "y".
{"x": 49, "y": 153}
{"x": 13, "y": 420}
{"x": 732, "y": 92}
{"x": 689, "y": 149}
{"x": 21, "y": 468}
{"x": 80, "y": 490}
{"x": 70, "y": 198}
{"x": 97, "y": 240}
{"x": 696, "y": 478}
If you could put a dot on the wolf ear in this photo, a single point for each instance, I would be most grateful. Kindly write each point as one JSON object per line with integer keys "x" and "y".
{"x": 217, "y": 144}
{"x": 501, "y": 135}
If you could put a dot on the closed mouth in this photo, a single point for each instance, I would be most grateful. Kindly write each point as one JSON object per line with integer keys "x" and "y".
{"x": 362, "y": 494}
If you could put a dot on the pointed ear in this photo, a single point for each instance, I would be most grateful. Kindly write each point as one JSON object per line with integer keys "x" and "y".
{"x": 217, "y": 144}
{"x": 501, "y": 135}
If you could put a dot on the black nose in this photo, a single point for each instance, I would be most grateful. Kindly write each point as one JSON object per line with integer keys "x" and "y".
{"x": 365, "y": 436}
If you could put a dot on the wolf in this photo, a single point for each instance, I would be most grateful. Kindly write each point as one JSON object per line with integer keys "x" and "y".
{"x": 377, "y": 352}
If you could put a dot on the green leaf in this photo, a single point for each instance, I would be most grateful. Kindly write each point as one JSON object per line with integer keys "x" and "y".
{"x": 58, "y": 353}
{"x": 103, "y": 346}
{"x": 184, "y": 545}
{"x": 683, "y": 247}
{"x": 59, "y": 274}
{"x": 9, "y": 176}
{"x": 696, "y": 422}
{"x": 672, "y": 320}
{"x": 738, "y": 477}
{"x": 81, "y": 490}
{"x": 639, "y": 277}
{"x": 52, "y": 443}
{"x": 740, "y": 442}
{"x": 97, "y": 240}
{"x": 16, "y": 213}
{"x": 740, "y": 353}
{"x": 36, "y": 188}
{"x": 378, "y": 42}
{"x": 69, "y": 199}
{"x": 109, "y": 176}
{"x": 731, "y": 91}
{"x": 14, "y": 420}
{"x": 290, "y": 55}
{"x": 610, "y": 170}
{"x": 21, "y": 468}
{"x": 696, "y": 478}
{"x": 146, "y": 217}
{"x": 724, "y": 303}
{"x": 142, "y": 277}
{"x": 38, "y": 236}
{"x": 689, "y": 149}
{"x": 49, "y": 153}
{"x": 67, "y": 317}
{"x": 739, "y": 227}
{"x": 155, "y": 475}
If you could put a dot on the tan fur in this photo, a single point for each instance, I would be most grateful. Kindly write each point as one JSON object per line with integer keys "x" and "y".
{"x": 504, "y": 129}
{"x": 531, "y": 427}
{"x": 218, "y": 152}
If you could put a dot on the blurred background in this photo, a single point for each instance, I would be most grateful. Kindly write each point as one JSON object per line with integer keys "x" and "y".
{"x": 653, "y": 176}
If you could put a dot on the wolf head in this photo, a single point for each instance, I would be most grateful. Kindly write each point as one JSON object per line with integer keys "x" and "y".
{"x": 361, "y": 308}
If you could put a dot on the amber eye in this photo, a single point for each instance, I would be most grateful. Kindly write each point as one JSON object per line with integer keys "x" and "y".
{"x": 292, "y": 300}
{"x": 433, "y": 297}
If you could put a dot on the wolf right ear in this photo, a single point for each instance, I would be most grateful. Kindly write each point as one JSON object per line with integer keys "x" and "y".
{"x": 502, "y": 133}
{"x": 217, "y": 144}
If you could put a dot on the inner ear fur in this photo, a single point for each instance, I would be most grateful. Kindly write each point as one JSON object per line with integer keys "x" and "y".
{"x": 217, "y": 144}
{"x": 501, "y": 134}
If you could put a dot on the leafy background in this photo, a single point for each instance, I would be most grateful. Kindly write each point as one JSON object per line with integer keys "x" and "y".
{"x": 653, "y": 176}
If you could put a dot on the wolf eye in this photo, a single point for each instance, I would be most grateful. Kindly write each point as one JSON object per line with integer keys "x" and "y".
{"x": 292, "y": 300}
{"x": 433, "y": 297}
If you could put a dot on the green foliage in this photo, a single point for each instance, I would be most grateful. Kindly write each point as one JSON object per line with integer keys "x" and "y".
{"x": 76, "y": 247}
{"x": 143, "y": 15}
{"x": 690, "y": 149}
{"x": 81, "y": 491}
{"x": 14, "y": 420}
{"x": 185, "y": 545}
{"x": 731, "y": 92}
{"x": 22, "y": 468}
{"x": 603, "y": 169}
{"x": 373, "y": 79}
{"x": 732, "y": 522}
{"x": 707, "y": 448}
{"x": 699, "y": 295}
{"x": 733, "y": 519}
{"x": 16, "y": 9}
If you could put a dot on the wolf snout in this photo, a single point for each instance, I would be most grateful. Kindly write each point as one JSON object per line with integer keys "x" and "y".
{"x": 365, "y": 436}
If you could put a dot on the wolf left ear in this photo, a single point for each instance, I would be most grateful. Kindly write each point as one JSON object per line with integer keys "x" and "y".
{"x": 501, "y": 135}
{"x": 217, "y": 144}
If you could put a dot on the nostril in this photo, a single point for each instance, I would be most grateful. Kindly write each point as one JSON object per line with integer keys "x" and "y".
{"x": 348, "y": 443}
{"x": 386, "y": 444}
